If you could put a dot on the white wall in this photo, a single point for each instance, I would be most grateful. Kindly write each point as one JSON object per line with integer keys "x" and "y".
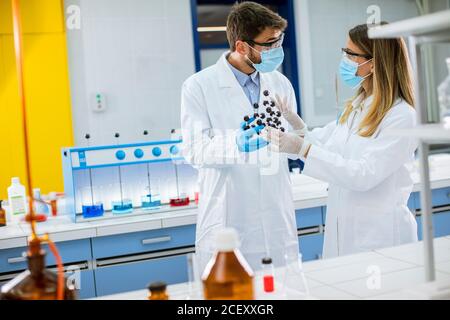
{"x": 136, "y": 52}
{"x": 322, "y": 27}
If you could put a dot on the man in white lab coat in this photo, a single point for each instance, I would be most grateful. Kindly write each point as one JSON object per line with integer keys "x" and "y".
{"x": 234, "y": 190}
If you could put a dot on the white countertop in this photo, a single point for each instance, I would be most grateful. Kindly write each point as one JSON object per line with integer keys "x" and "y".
{"x": 400, "y": 270}
{"x": 307, "y": 192}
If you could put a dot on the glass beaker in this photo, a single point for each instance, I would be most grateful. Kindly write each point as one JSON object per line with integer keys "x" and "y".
{"x": 91, "y": 205}
{"x": 122, "y": 204}
{"x": 151, "y": 199}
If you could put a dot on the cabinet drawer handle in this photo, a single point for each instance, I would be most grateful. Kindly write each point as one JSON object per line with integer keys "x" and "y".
{"x": 16, "y": 260}
{"x": 156, "y": 240}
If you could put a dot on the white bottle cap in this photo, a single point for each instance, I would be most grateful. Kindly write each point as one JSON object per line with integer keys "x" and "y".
{"x": 15, "y": 180}
{"x": 227, "y": 239}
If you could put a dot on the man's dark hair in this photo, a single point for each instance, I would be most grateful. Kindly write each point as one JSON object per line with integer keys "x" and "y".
{"x": 247, "y": 20}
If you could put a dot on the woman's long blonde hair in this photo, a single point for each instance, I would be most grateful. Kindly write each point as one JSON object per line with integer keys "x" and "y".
{"x": 391, "y": 78}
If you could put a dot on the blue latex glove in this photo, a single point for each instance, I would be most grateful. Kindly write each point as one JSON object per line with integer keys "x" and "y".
{"x": 245, "y": 140}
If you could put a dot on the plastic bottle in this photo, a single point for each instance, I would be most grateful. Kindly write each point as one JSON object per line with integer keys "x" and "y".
{"x": 228, "y": 275}
{"x": 2, "y": 215}
{"x": 17, "y": 200}
{"x": 158, "y": 291}
{"x": 444, "y": 97}
{"x": 39, "y": 207}
{"x": 268, "y": 275}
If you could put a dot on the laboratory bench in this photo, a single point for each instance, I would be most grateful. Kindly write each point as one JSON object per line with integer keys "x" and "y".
{"x": 389, "y": 274}
{"x": 106, "y": 257}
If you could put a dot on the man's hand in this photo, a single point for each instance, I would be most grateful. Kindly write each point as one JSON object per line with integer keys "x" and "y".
{"x": 246, "y": 140}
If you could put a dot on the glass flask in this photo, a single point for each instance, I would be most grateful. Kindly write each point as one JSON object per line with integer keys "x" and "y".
{"x": 228, "y": 275}
{"x": 36, "y": 283}
{"x": 158, "y": 291}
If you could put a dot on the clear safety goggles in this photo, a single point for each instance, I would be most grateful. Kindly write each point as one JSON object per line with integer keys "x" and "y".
{"x": 353, "y": 55}
{"x": 268, "y": 45}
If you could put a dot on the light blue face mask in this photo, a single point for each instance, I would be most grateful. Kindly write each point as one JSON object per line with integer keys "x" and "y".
{"x": 348, "y": 69}
{"x": 270, "y": 60}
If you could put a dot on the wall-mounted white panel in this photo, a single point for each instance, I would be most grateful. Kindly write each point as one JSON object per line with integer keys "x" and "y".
{"x": 137, "y": 53}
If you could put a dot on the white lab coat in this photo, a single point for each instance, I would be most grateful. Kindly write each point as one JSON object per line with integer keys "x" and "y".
{"x": 369, "y": 183}
{"x": 258, "y": 205}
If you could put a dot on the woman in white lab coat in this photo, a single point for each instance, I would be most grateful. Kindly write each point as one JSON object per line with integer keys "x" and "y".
{"x": 365, "y": 166}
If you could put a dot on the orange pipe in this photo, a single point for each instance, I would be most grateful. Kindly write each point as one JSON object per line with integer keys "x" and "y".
{"x": 18, "y": 46}
{"x": 35, "y": 240}
{"x": 60, "y": 281}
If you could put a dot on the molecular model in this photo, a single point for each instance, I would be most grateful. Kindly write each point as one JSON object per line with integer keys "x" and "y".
{"x": 268, "y": 117}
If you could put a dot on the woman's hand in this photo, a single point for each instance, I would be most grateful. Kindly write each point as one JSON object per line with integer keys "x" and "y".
{"x": 297, "y": 123}
{"x": 286, "y": 142}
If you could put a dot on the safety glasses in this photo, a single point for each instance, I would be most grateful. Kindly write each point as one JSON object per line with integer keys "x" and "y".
{"x": 351, "y": 54}
{"x": 268, "y": 45}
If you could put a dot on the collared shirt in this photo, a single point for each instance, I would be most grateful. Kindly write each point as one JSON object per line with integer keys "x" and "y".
{"x": 249, "y": 83}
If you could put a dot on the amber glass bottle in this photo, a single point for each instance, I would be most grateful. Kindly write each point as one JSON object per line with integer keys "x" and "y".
{"x": 2, "y": 215}
{"x": 36, "y": 283}
{"x": 228, "y": 276}
{"x": 158, "y": 291}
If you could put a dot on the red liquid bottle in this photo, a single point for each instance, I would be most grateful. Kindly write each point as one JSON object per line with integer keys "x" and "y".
{"x": 268, "y": 275}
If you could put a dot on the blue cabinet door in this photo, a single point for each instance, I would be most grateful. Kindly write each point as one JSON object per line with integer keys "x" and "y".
{"x": 137, "y": 275}
{"x": 439, "y": 197}
{"x": 412, "y": 201}
{"x": 145, "y": 241}
{"x": 70, "y": 251}
{"x": 84, "y": 283}
{"x": 441, "y": 224}
{"x": 82, "y": 280}
{"x": 311, "y": 246}
{"x": 310, "y": 217}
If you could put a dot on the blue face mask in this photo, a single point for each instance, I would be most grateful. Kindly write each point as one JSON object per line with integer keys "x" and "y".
{"x": 270, "y": 60}
{"x": 348, "y": 69}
